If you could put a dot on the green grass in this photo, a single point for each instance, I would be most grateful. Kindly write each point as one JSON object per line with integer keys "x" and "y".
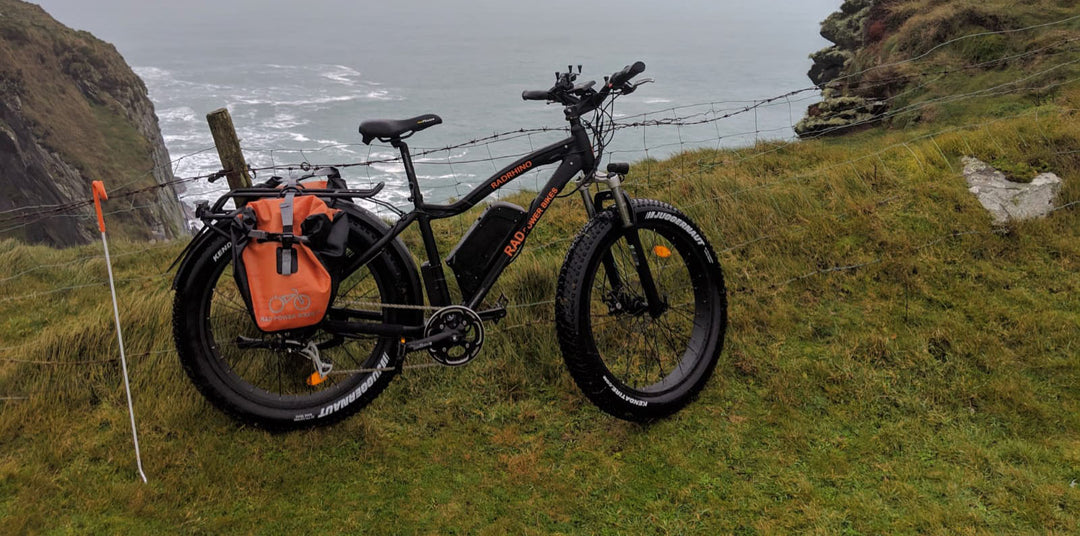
{"x": 931, "y": 390}
{"x": 75, "y": 92}
{"x": 895, "y": 364}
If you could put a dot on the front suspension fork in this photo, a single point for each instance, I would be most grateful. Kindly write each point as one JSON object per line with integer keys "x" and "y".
{"x": 613, "y": 181}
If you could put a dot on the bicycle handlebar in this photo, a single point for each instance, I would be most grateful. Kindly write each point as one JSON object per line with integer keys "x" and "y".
{"x": 583, "y": 98}
{"x": 536, "y": 95}
{"x": 622, "y": 77}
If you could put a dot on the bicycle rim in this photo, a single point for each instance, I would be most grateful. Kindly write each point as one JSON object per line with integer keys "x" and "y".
{"x": 283, "y": 378}
{"x": 652, "y": 355}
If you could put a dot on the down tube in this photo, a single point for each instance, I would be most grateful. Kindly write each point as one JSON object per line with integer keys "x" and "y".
{"x": 566, "y": 171}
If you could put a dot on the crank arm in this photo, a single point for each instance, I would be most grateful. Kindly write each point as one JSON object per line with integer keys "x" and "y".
{"x": 248, "y": 343}
{"x": 349, "y": 329}
{"x": 426, "y": 342}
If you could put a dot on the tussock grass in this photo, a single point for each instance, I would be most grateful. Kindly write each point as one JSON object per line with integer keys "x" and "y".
{"x": 894, "y": 364}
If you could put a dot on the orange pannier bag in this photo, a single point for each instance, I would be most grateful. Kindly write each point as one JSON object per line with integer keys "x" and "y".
{"x": 286, "y": 283}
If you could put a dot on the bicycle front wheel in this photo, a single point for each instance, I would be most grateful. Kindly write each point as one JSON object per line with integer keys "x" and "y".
{"x": 634, "y": 362}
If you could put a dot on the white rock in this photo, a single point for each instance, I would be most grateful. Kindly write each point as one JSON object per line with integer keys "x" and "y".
{"x": 1007, "y": 200}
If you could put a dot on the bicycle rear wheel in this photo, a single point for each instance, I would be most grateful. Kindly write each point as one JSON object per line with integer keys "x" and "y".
{"x": 629, "y": 362}
{"x": 267, "y": 379}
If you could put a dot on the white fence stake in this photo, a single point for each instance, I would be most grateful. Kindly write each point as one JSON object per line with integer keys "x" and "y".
{"x": 99, "y": 194}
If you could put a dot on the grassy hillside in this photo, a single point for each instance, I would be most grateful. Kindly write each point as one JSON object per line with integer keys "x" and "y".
{"x": 86, "y": 116}
{"x": 905, "y": 62}
{"x": 895, "y": 364}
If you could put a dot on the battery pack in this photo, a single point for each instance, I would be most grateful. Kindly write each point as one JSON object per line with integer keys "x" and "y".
{"x": 478, "y": 250}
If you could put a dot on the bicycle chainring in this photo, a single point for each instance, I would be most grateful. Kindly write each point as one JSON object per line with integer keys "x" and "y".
{"x": 470, "y": 329}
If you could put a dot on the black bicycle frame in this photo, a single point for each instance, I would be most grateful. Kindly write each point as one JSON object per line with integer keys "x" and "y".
{"x": 574, "y": 153}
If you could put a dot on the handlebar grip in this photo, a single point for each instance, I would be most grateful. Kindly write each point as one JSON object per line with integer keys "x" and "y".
{"x": 626, "y": 74}
{"x": 536, "y": 95}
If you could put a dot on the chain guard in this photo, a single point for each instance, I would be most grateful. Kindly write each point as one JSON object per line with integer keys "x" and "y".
{"x": 471, "y": 335}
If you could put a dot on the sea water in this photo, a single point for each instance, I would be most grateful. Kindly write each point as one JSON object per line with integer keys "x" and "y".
{"x": 299, "y": 78}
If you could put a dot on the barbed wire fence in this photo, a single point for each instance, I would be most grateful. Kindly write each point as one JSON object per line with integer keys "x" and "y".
{"x": 498, "y": 149}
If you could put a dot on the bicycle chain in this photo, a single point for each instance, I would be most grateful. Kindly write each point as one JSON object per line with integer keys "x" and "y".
{"x": 393, "y": 306}
{"x": 386, "y": 369}
{"x": 381, "y": 305}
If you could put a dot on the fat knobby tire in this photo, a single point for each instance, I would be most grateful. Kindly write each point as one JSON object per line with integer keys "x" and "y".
{"x": 578, "y": 341}
{"x": 227, "y": 390}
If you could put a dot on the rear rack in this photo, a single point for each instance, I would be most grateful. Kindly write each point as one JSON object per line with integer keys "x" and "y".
{"x": 259, "y": 193}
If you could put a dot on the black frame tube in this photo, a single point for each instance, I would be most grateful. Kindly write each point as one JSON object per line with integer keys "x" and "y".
{"x": 574, "y": 153}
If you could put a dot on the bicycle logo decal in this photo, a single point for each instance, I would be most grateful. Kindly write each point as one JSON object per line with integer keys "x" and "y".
{"x": 300, "y": 302}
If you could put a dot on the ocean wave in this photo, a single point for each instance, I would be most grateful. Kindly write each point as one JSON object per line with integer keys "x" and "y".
{"x": 152, "y": 73}
{"x": 329, "y": 99}
{"x": 440, "y": 159}
{"x": 341, "y": 74}
{"x": 182, "y": 113}
{"x": 194, "y": 165}
{"x": 390, "y": 167}
{"x": 191, "y": 138}
{"x": 284, "y": 121}
{"x": 656, "y": 100}
{"x": 447, "y": 176}
{"x": 383, "y": 95}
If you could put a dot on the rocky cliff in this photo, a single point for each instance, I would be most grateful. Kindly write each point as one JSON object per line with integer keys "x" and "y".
{"x": 72, "y": 111}
{"x": 839, "y": 110}
{"x": 910, "y": 61}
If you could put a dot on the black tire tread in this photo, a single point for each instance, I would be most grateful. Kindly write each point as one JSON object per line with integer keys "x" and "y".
{"x": 588, "y": 371}
{"x": 190, "y": 355}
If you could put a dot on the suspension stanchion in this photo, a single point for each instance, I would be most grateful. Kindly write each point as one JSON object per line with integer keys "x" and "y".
{"x": 99, "y": 195}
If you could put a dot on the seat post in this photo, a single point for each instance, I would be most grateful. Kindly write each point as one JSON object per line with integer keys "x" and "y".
{"x": 415, "y": 197}
{"x": 431, "y": 269}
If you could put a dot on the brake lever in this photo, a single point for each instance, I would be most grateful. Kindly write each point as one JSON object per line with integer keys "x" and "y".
{"x": 630, "y": 88}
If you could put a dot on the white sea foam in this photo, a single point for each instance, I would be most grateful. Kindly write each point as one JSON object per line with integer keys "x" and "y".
{"x": 447, "y": 176}
{"x": 189, "y": 138}
{"x": 302, "y": 102}
{"x": 390, "y": 167}
{"x": 656, "y": 100}
{"x": 439, "y": 159}
{"x": 341, "y": 74}
{"x": 383, "y": 95}
{"x": 183, "y": 113}
{"x": 152, "y": 73}
{"x": 284, "y": 121}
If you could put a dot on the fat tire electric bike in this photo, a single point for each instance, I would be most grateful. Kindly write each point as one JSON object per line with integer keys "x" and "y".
{"x": 640, "y": 306}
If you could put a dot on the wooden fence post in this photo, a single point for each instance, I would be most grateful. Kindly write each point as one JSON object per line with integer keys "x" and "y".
{"x": 228, "y": 148}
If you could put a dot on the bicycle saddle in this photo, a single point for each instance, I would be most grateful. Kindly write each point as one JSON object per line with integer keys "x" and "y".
{"x": 388, "y": 129}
